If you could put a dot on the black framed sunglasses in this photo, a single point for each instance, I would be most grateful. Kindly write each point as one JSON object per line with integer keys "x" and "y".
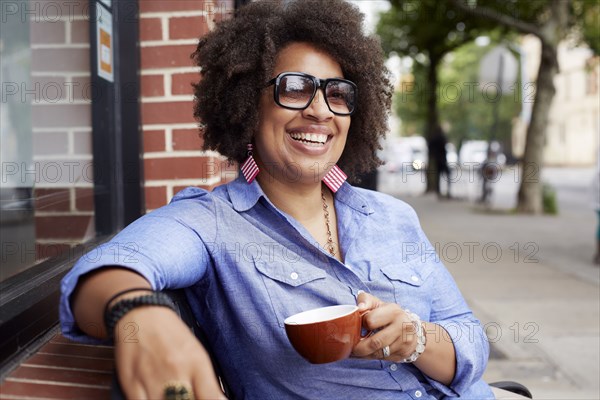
{"x": 296, "y": 90}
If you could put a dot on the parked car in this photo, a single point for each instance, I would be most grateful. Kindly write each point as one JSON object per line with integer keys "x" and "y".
{"x": 475, "y": 152}
{"x": 451, "y": 155}
{"x": 405, "y": 153}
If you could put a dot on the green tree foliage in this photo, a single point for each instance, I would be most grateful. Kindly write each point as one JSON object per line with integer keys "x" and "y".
{"x": 426, "y": 30}
{"x": 468, "y": 107}
{"x": 586, "y": 19}
{"x": 551, "y": 21}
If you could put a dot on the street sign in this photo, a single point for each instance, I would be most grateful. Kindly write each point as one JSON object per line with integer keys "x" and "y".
{"x": 498, "y": 68}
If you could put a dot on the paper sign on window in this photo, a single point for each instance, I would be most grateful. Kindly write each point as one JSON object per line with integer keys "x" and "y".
{"x": 105, "y": 43}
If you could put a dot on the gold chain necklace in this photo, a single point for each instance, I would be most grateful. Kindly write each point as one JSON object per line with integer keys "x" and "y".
{"x": 330, "y": 246}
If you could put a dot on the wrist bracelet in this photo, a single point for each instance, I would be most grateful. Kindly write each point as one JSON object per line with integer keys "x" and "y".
{"x": 421, "y": 337}
{"x": 122, "y": 307}
{"x": 122, "y": 292}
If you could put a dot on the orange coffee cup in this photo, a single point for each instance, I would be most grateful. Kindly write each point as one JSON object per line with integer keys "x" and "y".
{"x": 325, "y": 334}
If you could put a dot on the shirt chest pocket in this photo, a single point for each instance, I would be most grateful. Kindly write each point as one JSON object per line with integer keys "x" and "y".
{"x": 409, "y": 281}
{"x": 295, "y": 287}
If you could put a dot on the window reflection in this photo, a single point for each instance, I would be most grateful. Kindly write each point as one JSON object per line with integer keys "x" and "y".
{"x": 46, "y": 194}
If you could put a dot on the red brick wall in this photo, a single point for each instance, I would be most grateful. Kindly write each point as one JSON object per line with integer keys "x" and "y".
{"x": 169, "y": 32}
{"x": 60, "y": 96}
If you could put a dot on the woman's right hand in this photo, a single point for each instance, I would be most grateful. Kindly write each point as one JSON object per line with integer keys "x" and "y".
{"x": 153, "y": 346}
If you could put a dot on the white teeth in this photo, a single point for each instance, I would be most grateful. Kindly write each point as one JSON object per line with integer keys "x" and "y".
{"x": 311, "y": 139}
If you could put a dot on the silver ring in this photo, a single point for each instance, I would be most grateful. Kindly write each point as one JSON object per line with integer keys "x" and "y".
{"x": 386, "y": 351}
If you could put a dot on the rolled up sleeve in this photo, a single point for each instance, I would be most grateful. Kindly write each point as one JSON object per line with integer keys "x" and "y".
{"x": 158, "y": 246}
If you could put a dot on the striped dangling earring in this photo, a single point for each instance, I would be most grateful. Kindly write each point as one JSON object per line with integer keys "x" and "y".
{"x": 249, "y": 167}
{"x": 335, "y": 178}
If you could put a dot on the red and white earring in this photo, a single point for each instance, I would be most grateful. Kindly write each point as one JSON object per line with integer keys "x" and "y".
{"x": 249, "y": 167}
{"x": 335, "y": 178}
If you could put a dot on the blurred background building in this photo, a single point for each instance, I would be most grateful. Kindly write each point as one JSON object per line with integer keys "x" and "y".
{"x": 574, "y": 123}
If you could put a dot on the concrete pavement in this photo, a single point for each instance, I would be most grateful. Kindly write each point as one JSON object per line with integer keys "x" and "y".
{"x": 531, "y": 282}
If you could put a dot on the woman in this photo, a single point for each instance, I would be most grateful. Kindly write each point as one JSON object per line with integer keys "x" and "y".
{"x": 288, "y": 90}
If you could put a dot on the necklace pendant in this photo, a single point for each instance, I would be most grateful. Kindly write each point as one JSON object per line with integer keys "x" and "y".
{"x": 330, "y": 246}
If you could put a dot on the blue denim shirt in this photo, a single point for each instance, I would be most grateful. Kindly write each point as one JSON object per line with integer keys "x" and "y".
{"x": 247, "y": 266}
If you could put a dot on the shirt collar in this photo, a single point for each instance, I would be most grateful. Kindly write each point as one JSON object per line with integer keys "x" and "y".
{"x": 353, "y": 198}
{"x": 244, "y": 196}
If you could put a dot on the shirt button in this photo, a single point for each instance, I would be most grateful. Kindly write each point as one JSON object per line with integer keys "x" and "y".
{"x": 393, "y": 367}
{"x": 414, "y": 278}
{"x": 418, "y": 394}
{"x": 294, "y": 276}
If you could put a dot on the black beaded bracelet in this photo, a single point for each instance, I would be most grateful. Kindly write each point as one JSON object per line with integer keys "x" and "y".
{"x": 122, "y": 307}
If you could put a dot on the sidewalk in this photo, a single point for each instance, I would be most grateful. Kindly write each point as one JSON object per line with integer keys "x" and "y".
{"x": 527, "y": 281}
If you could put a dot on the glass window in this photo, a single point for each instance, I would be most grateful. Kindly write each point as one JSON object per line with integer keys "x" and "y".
{"x": 46, "y": 194}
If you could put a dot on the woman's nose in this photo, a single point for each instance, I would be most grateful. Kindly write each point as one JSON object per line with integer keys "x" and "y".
{"x": 318, "y": 108}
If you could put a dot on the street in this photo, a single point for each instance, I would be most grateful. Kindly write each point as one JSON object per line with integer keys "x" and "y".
{"x": 529, "y": 279}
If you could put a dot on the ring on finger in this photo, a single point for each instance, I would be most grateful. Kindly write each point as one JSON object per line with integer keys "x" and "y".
{"x": 176, "y": 390}
{"x": 386, "y": 351}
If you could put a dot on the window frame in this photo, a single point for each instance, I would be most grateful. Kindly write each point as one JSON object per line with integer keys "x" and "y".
{"x": 28, "y": 300}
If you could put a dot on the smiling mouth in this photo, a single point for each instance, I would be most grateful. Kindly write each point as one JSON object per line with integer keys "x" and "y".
{"x": 310, "y": 139}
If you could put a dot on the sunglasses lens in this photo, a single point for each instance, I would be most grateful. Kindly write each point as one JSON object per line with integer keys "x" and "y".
{"x": 295, "y": 91}
{"x": 340, "y": 96}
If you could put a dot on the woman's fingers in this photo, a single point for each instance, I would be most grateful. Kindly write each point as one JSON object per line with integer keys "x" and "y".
{"x": 164, "y": 351}
{"x": 366, "y": 301}
{"x": 382, "y": 316}
{"x": 392, "y": 328}
{"x": 372, "y": 346}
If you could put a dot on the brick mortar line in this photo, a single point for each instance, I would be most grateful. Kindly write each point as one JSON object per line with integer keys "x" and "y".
{"x": 64, "y": 213}
{"x": 92, "y": 346}
{"x": 183, "y": 125}
{"x": 170, "y": 71}
{"x": 181, "y": 182}
{"x": 87, "y": 129}
{"x": 61, "y": 74}
{"x": 20, "y": 397}
{"x": 52, "y": 20}
{"x": 66, "y": 368}
{"x": 167, "y": 87}
{"x": 167, "y": 99}
{"x": 72, "y": 201}
{"x": 56, "y": 367}
{"x": 171, "y": 14}
{"x": 168, "y": 42}
{"x": 168, "y": 142}
{"x": 79, "y": 185}
{"x": 64, "y": 157}
{"x": 60, "y": 102}
{"x": 70, "y": 143}
{"x": 68, "y": 33}
{"x": 51, "y": 46}
{"x": 164, "y": 28}
{"x": 55, "y": 383}
{"x": 58, "y": 354}
{"x": 54, "y": 242}
{"x": 181, "y": 154}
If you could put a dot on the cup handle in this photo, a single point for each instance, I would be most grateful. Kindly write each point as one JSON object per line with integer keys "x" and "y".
{"x": 369, "y": 333}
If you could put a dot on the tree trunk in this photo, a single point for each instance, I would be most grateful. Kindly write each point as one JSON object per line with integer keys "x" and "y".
{"x": 432, "y": 174}
{"x": 530, "y": 190}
